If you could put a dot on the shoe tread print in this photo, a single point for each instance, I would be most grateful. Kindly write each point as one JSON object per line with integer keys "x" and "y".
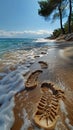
{"x": 46, "y": 114}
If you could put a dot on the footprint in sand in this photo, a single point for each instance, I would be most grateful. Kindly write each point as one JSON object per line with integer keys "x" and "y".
{"x": 43, "y": 64}
{"x": 32, "y": 79}
{"x": 55, "y": 89}
{"x": 46, "y": 114}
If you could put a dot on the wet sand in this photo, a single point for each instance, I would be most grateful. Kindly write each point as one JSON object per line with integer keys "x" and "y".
{"x": 60, "y": 72}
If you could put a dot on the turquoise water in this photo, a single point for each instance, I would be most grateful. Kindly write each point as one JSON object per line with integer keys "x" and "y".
{"x": 12, "y": 44}
{"x": 9, "y": 44}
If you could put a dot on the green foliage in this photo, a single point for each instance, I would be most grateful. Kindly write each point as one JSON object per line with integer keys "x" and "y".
{"x": 47, "y": 7}
{"x": 66, "y": 25}
{"x": 43, "y": 11}
{"x": 56, "y": 33}
{"x": 53, "y": 8}
{"x": 57, "y": 9}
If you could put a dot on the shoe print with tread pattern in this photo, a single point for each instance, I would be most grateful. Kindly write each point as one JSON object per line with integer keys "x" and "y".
{"x": 46, "y": 114}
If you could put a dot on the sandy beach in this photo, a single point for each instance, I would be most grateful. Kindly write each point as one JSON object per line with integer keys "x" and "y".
{"x": 36, "y": 65}
{"x": 59, "y": 71}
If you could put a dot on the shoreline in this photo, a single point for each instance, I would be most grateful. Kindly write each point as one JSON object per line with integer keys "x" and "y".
{"x": 65, "y": 38}
{"x": 62, "y": 38}
{"x": 33, "y": 98}
{"x": 13, "y": 79}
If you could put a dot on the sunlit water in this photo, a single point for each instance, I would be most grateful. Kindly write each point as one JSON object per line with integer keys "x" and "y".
{"x": 20, "y": 56}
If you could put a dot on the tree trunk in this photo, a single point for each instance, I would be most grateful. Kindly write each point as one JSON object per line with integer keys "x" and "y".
{"x": 69, "y": 17}
{"x": 60, "y": 13}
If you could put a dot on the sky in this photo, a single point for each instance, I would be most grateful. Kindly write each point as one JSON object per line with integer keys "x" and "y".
{"x": 19, "y": 18}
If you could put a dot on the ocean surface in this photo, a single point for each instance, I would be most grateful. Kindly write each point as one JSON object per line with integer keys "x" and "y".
{"x": 12, "y": 44}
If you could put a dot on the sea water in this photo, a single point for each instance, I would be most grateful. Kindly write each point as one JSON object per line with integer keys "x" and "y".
{"x": 15, "y": 50}
{"x": 13, "y": 44}
{"x": 19, "y": 53}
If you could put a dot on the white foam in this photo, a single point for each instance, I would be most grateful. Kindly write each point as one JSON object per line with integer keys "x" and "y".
{"x": 2, "y": 74}
{"x": 6, "y": 116}
{"x": 23, "y": 69}
{"x": 43, "y": 40}
{"x": 60, "y": 125}
{"x": 13, "y": 82}
{"x": 10, "y": 84}
{"x": 67, "y": 121}
{"x": 63, "y": 108}
{"x": 19, "y": 56}
{"x": 27, "y": 122}
{"x": 61, "y": 84}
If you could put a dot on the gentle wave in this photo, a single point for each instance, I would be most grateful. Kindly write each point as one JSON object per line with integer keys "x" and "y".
{"x": 43, "y": 40}
{"x": 13, "y": 82}
{"x": 12, "y": 44}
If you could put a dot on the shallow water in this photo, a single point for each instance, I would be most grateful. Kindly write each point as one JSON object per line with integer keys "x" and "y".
{"x": 59, "y": 71}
